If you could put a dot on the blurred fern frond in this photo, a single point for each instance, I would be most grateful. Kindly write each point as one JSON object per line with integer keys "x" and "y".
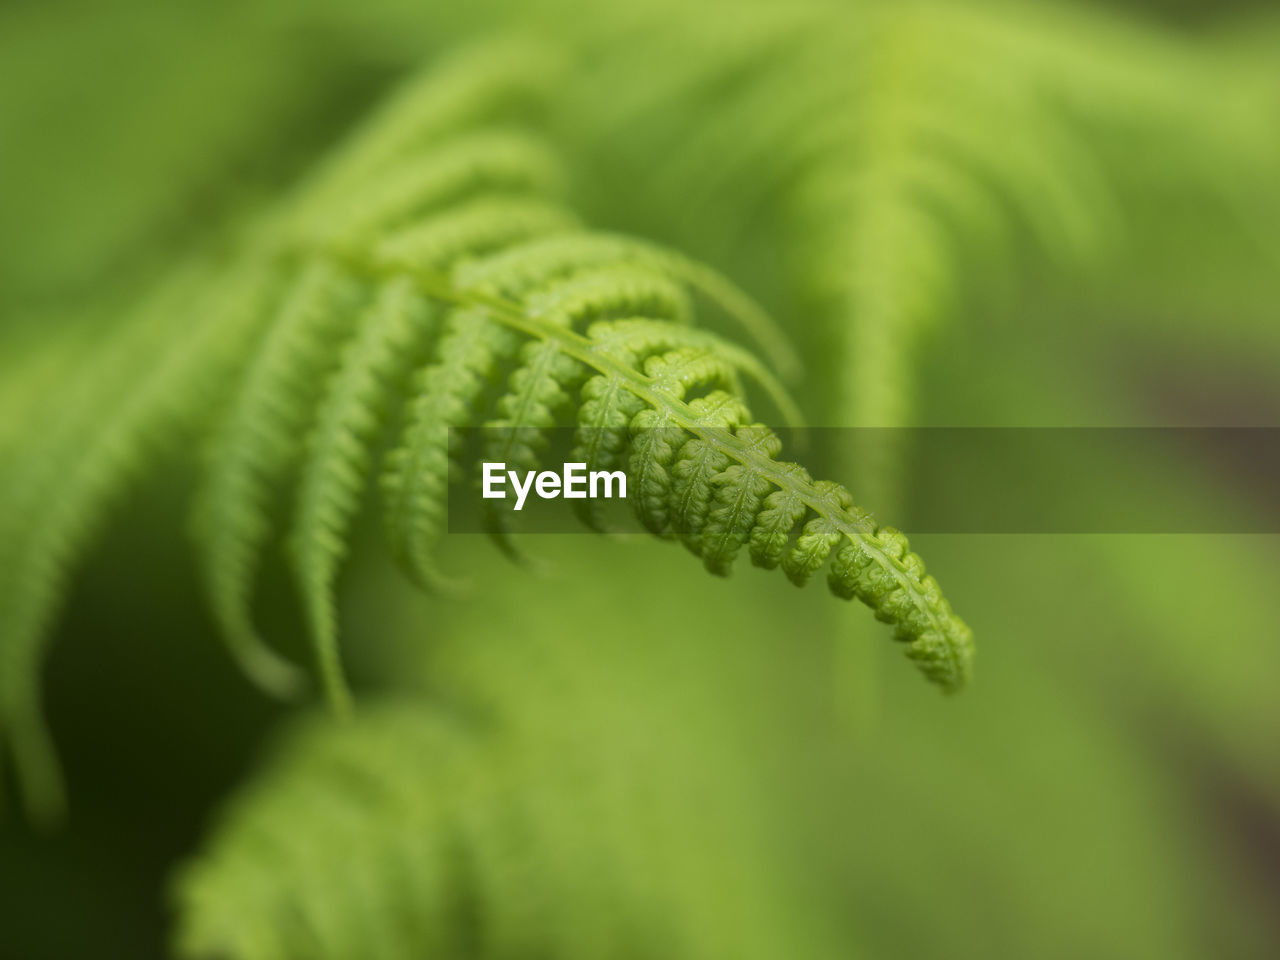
{"x": 414, "y": 832}
{"x": 910, "y": 163}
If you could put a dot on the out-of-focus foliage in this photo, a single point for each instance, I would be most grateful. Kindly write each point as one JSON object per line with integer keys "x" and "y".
{"x": 973, "y": 213}
{"x": 533, "y": 836}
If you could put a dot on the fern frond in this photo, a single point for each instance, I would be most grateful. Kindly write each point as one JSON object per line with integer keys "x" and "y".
{"x": 473, "y": 193}
{"x": 340, "y": 452}
{"x": 257, "y": 446}
{"x": 504, "y": 269}
{"x": 418, "y": 470}
{"x": 907, "y": 159}
{"x": 438, "y": 243}
{"x": 677, "y": 444}
{"x": 411, "y": 833}
{"x": 130, "y": 406}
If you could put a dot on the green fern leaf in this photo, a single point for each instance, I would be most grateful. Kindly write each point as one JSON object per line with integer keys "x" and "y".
{"x": 340, "y": 454}
{"x": 418, "y": 470}
{"x": 410, "y": 833}
{"x": 133, "y": 404}
{"x": 257, "y": 447}
{"x": 438, "y": 242}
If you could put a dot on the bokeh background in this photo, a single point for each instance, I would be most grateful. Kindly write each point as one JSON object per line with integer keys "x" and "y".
{"x": 1109, "y": 786}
